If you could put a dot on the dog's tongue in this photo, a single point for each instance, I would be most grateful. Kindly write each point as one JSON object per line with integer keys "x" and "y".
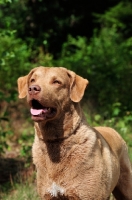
{"x": 35, "y": 111}
{"x": 38, "y": 111}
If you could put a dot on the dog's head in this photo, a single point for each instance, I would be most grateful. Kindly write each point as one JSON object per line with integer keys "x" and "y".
{"x": 50, "y": 91}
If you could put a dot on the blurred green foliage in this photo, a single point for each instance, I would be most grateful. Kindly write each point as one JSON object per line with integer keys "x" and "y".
{"x": 105, "y": 61}
{"x": 14, "y": 60}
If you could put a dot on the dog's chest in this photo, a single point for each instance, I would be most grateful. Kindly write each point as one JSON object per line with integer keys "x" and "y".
{"x": 58, "y": 162}
{"x": 67, "y": 171}
{"x": 56, "y": 190}
{"x": 63, "y": 173}
{"x": 57, "y": 179}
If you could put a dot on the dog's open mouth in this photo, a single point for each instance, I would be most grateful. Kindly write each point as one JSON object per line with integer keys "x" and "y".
{"x": 39, "y": 112}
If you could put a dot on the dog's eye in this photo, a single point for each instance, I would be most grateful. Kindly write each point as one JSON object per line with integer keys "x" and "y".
{"x": 57, "y": 82}
{"x": 32, "y": 80}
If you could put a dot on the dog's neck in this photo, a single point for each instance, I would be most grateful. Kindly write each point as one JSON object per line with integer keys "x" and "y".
{"x": 60, "y": 129}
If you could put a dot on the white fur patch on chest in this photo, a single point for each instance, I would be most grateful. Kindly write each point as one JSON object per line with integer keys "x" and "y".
{"x": 56, "y": 190}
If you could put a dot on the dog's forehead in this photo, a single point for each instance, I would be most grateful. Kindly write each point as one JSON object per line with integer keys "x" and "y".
{"x": 39, "y": 71}
{"x": 50, "y": 72}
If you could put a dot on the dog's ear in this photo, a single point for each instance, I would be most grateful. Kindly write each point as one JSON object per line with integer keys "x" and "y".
{"x": 22, "y": 86}
{"x": 23, "y": 83}
{"x": 77, "y": 87}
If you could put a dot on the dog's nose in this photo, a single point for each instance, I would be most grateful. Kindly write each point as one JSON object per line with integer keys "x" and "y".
{"x": 34, "y": 89}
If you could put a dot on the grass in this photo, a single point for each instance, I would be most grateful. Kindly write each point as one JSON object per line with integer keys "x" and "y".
{"x": 23, "y": 191}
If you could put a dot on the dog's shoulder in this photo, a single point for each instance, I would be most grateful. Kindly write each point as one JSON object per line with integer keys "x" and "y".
{"x": 113, "y": 138}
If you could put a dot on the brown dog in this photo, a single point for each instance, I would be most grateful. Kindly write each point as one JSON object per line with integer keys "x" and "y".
{"x": 73, "y": 160}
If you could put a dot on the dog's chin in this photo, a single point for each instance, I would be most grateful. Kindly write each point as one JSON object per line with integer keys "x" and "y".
{"x": 40, "y": 113}
{"x": 41, "y": 118}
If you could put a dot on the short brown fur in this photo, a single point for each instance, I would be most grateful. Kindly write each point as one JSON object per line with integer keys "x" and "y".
{"x": 73, "y": 160}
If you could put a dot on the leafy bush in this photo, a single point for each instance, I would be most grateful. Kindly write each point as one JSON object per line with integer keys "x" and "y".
{"x": 3, "y": 135}
{"x": 14, "y": 60}
{"x": 119, "y": 16}
{"x": 105, "y": 61}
